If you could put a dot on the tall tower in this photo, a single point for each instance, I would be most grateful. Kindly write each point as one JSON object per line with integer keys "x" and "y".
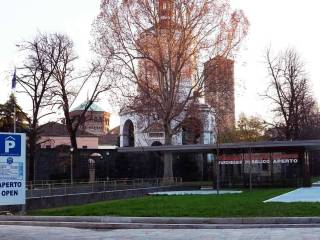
{"x": 165, "y": 8}
{"x": 165, "y": 12}
{"x": 219, "y": 90}
{"x": 158, "y": 42}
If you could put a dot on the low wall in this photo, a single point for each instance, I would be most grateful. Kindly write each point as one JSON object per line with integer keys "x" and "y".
{"x": 83, "y": 198}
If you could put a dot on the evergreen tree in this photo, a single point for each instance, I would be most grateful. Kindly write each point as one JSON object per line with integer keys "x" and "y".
{"x": 7, "y": 116}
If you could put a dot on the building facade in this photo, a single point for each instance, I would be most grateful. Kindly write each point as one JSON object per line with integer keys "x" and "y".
{"x": 136, "y": 131}
{"x": 54, "y": 134}
{"x": 96, "y": 120}
{"x": 93, "y": 132}
{"x": 219, "y": 90}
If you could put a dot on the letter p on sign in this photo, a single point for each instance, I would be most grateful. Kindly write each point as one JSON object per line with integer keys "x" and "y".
{"x": 9, "y": 144}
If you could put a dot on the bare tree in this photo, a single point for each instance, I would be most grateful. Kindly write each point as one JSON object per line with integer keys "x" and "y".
{"x": 67, "y": 84}
{"x": 289, "y": 93}
{"x": 157, "y": 50}
{"x": 311, "y": 128}
{"x": 35, "y": 79}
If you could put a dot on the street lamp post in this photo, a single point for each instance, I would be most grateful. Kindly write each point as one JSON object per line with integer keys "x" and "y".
{"x": 107, "y": 162}
{"x": 71, "y": 165}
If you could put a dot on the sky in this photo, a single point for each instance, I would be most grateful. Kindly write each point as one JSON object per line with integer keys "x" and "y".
{"x": 275, "y": 23}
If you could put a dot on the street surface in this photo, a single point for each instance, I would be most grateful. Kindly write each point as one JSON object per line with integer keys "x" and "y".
{"x": 56, "y": 233}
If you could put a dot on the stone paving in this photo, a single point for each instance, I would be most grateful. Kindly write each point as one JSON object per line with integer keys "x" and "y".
{"x": 55, "y": 233}
{"x": 311, "y": 194}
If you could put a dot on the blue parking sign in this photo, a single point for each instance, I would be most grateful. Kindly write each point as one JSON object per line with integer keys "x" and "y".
{"x": 10, "y": 145}
{"x": 12, "y": 168}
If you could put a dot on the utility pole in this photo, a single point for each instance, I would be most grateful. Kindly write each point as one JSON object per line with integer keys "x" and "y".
{"x": 13, "y": 88}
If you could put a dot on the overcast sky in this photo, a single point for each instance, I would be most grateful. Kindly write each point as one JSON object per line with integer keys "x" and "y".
{"x": 279, "y": 23}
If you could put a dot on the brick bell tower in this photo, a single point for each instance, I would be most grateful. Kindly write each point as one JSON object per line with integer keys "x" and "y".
{"x": 165, "y": 12}
{"x": 219, "y": 89}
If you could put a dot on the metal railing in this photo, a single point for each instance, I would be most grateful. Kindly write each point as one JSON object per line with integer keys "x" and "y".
{"x": 54, "y": 188}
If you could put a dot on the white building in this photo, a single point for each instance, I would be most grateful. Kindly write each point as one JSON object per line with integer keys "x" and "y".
{"x": 135, "y": 131}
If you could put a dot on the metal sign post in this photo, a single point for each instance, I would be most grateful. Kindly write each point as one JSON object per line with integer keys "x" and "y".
{"x": 13, "y": 169}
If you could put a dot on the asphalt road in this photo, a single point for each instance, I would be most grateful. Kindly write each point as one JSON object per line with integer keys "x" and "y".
{"x": 55, "y": 233}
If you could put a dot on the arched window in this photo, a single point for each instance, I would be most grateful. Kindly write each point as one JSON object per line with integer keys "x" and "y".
{"x": 128, "y": 134}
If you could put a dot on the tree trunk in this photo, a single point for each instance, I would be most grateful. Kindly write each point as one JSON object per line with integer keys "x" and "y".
{"x": 30, "y": 163}
{"x": 73, "y": 140}
{"x": 73, "y": 156}
{"x": 32, "y": 152}
{"x": 217, "y": 169}
{"x": 168, "y": 159}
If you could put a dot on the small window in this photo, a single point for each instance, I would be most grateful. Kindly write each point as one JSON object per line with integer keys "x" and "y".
{"x": 156, "y": 135}
{"x": 84, "y": 147}
{"x": 48, "y": 146}
{"x": 164, "y": 6}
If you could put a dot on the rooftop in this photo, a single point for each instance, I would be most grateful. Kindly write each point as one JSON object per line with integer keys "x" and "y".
{"x": 94, "y": 107}
{"x": 242, "y": 146}
{"x": 54, "y": 129}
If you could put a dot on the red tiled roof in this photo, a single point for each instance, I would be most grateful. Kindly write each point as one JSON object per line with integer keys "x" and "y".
{"x": 58, "y": 129}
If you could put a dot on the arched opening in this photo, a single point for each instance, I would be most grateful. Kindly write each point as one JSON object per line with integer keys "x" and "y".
{"x": 191, "y": 131}
{"x": 156, "y": 143}
{"x": 128, "y": 134}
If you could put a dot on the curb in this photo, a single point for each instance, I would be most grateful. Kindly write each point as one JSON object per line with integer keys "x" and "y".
{"x": 113, "y": 226}
{"x": 110, "y": 222}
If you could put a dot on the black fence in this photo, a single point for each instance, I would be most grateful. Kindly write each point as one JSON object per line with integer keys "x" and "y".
{"x": 55, "y": 164}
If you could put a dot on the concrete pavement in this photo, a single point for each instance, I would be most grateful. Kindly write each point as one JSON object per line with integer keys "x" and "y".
{"x": 310, "y": 194}
{"x": 56, "y": 233}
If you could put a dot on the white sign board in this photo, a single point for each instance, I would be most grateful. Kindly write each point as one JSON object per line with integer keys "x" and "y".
{"x": 12, "y": 168}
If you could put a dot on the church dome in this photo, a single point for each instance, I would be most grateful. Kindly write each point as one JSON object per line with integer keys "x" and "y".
{"x": 94, "y": 107}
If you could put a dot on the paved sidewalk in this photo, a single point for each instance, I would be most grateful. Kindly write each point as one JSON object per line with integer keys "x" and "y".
{"x": 311, "y": 194}
{"x": 53, "y": 233}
